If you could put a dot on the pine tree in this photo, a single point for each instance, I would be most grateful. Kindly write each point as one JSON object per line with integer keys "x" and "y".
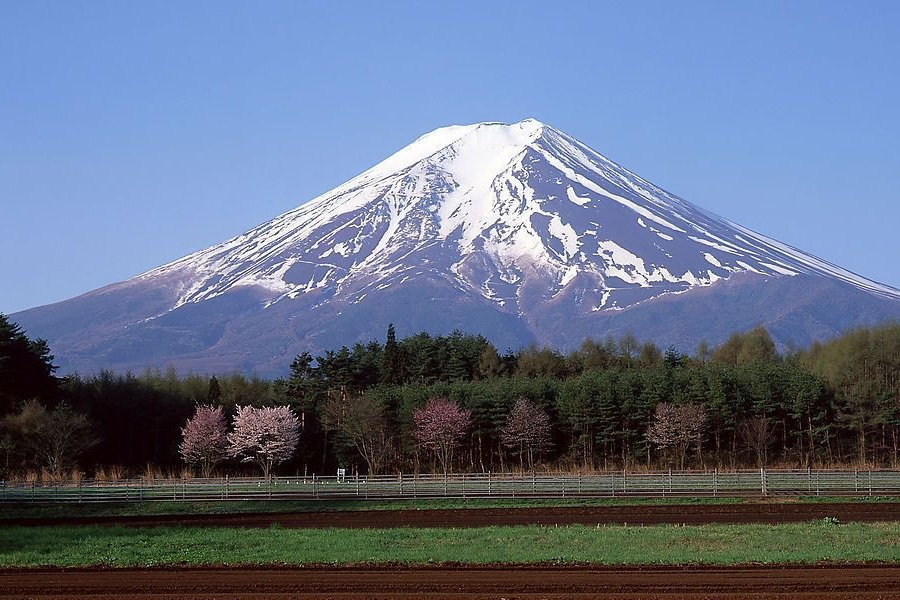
{"x": 392, "y": 362}
{"x": 26, "y": 367}
{"x": 215, "y": 391}
{"x": 489, "y": 364}
{"x": 456, "y": 367}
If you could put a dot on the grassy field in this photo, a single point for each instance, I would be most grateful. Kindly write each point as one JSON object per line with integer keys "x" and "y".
{"x": 711, "y": 544}
{"x": 12, "y": 512}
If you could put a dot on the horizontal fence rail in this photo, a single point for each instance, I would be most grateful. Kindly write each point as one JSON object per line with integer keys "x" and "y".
{"x": 762, "y": 482}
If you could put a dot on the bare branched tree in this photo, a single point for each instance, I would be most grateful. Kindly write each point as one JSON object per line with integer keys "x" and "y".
{"x": 53, "y": 439}
{"x": 757, "y": 434}
{"x": 362, "y": 422}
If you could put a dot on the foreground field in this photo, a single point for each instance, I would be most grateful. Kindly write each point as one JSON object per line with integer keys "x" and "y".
{"x": 657, "y": 545}
{"x": 525, "y": 549}
{"x": 431, "y": 583}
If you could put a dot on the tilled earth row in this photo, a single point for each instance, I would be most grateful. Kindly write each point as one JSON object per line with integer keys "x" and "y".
{"x": 770, "y": 513}
{"x": 428, "y": 583}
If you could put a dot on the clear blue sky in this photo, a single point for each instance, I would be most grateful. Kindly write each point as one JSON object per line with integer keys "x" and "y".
{"x": 133, "y": 133}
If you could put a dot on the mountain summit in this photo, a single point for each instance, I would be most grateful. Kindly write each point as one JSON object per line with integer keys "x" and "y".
{"x": 517, "y": 231}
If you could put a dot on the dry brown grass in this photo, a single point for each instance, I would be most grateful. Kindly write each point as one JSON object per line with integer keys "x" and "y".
{"x": 109, "y": 473}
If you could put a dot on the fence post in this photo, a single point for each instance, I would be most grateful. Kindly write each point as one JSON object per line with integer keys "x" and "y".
{"x": 870, "y": 482}
{"x": 762, "y": 476}
{"x": 856, "y": 481}
{"x": 315, "y": 487}
{"x": 624, "y": 483}
{"x": 532, "y": 483}
{"x": 401, "y": 483}
{"x": 490, "y": 484}
{"x": 716, "y": 482}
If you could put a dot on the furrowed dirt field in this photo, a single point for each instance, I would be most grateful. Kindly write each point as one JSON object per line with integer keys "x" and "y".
{"x": 763, "y": 512}
{"x": 676, "y": 583}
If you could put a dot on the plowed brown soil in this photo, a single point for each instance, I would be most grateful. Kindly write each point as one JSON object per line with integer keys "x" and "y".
{"x": 770, "y": 513}
{"x": 672, "y": 583}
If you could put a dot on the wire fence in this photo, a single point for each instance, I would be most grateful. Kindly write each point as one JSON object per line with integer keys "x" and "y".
{"x": 760, "y": 483}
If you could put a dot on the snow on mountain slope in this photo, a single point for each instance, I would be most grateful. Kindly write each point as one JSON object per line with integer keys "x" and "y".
{"x": 492, "y": 205}
{"x": 516, "y": 231}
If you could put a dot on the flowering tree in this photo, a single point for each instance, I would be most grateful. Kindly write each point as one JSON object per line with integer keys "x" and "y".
{"x": 675, "y": 428}
{"x": 204, "y": 439}
{"x": 439, "y": 426}
{"x": 527, "y": 429}
{"x": 266, "y": 436}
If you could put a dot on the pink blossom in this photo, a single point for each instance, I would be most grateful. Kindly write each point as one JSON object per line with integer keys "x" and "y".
{"x": 266, "y": 436}
{"x": 527, "y": 429}
{"x": 440, "y": 426}
{"x": 675, "y": 428}
{"x": 203, "y": 439}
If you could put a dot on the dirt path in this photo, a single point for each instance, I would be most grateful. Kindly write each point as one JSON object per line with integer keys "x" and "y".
{"x": 672, "y": 583}
{"x": 633, "y": 515}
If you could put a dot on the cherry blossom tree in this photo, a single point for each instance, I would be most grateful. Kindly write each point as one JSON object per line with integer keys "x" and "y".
{"x": 675, "y": 428}
{"x": 527, "y": 429}
{"x": 440, "y": 425}
{"x": 266, "y": 436}
{"x": 204, "y": 441}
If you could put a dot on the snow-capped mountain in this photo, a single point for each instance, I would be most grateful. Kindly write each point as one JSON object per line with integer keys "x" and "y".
{"x": 517, "y": 231}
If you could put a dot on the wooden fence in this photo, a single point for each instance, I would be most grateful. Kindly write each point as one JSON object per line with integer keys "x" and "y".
{"x": 762, "y": 482}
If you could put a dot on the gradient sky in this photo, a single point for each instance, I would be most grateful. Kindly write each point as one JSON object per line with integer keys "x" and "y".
{"x": 133, "y": 133}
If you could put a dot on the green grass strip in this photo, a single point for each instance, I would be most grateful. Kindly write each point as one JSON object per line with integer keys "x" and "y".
{"x": 708, "y": 544}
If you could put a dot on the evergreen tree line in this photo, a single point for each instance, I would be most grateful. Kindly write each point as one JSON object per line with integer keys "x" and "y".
{"x": 834, "y": 403}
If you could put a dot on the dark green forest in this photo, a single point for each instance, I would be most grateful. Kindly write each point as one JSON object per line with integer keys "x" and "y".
{"x": 835, "y": 403}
